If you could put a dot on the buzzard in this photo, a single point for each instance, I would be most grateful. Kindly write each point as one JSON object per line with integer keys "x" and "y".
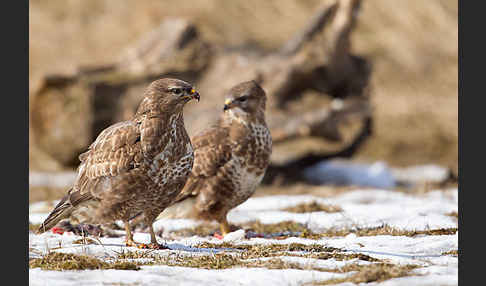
{"x": 230, "y": 159}
{"x": 133, "y": 167}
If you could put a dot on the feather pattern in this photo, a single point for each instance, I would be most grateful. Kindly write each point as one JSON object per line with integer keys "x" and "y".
{"x": 230, "y": 157}
{"x": 135, "y": 166}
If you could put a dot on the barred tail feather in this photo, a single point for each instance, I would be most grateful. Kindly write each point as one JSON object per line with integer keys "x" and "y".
{"x": 62, "y": 210}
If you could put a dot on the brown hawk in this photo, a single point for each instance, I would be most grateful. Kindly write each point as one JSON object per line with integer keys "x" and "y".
{"x": 230, "y": 159}
{"x": 136, "y": 166}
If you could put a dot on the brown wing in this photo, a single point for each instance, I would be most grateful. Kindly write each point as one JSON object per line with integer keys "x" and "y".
{"x": 212, "y": 150}
{"x": 107, "y": 171}
{"x": 116, "y": 151}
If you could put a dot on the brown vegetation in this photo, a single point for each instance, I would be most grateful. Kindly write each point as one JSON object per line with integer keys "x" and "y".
{"x": 313, "y": 207}
{"x": 67, "y": 261}
{"x": 297, "y": 229}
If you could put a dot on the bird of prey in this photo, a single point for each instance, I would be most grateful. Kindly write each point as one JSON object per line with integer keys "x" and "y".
{"x": 230, "y": 159}
{"x": 136, "y": 166}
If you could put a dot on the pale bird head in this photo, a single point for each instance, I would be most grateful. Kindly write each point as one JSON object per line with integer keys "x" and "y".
{"x": 246, "y": 97}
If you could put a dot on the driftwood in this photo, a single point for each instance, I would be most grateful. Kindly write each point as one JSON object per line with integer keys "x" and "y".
{"x": 68, "y": 111}
{"x": 313, "y": 82}
{"x": 292, "y": 171}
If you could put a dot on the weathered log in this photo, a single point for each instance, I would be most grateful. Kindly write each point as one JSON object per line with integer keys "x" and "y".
{"x": 315, "y": 25}
{"x": 322, "y": 123}
{"x": 302, "y": 79}
{"x": 68, "y": 111}
{"x": 293, "y": 170}
{"x": 55, "y": 121}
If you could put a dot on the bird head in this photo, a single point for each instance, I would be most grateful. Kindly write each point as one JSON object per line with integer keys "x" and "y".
{"x": 246, "y": 97}
{"x": 168, "y": 95}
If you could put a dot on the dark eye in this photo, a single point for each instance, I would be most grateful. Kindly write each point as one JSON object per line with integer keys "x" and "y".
{"x": 176, "y": 91}
{"x": 242, "y": 99}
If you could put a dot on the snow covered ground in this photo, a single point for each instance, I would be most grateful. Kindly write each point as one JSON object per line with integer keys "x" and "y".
{"x": 360, "y": 209}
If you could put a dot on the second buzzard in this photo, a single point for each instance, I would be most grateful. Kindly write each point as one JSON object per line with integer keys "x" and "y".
{"x": 230, "y": 159}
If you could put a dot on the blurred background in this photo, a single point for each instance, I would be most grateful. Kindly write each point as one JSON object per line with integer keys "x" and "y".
{"x": 376, "y": 80}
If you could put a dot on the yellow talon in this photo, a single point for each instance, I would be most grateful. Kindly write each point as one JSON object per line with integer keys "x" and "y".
{"x": 225, "y": 228}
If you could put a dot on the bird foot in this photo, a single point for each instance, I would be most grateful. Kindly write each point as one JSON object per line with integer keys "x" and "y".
{"x": 146, "y": 246}
{"x": 153, "y": 246}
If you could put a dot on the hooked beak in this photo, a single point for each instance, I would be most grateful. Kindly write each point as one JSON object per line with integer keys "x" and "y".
{"x": 228, "y": 104}
{"x": 193, "y": 94}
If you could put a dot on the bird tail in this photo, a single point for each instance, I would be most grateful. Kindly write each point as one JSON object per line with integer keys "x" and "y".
{"x": 62, "y": 210}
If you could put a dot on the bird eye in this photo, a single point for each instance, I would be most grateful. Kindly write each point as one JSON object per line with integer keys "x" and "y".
{"x": 176, "y": 91}
{"x": 242, "y": 99}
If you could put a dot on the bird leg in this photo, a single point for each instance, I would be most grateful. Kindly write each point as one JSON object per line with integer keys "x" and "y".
{"x": 129, "y": 238}
{"x": 224, "y": 227}
{"x": 153, "y": 241}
